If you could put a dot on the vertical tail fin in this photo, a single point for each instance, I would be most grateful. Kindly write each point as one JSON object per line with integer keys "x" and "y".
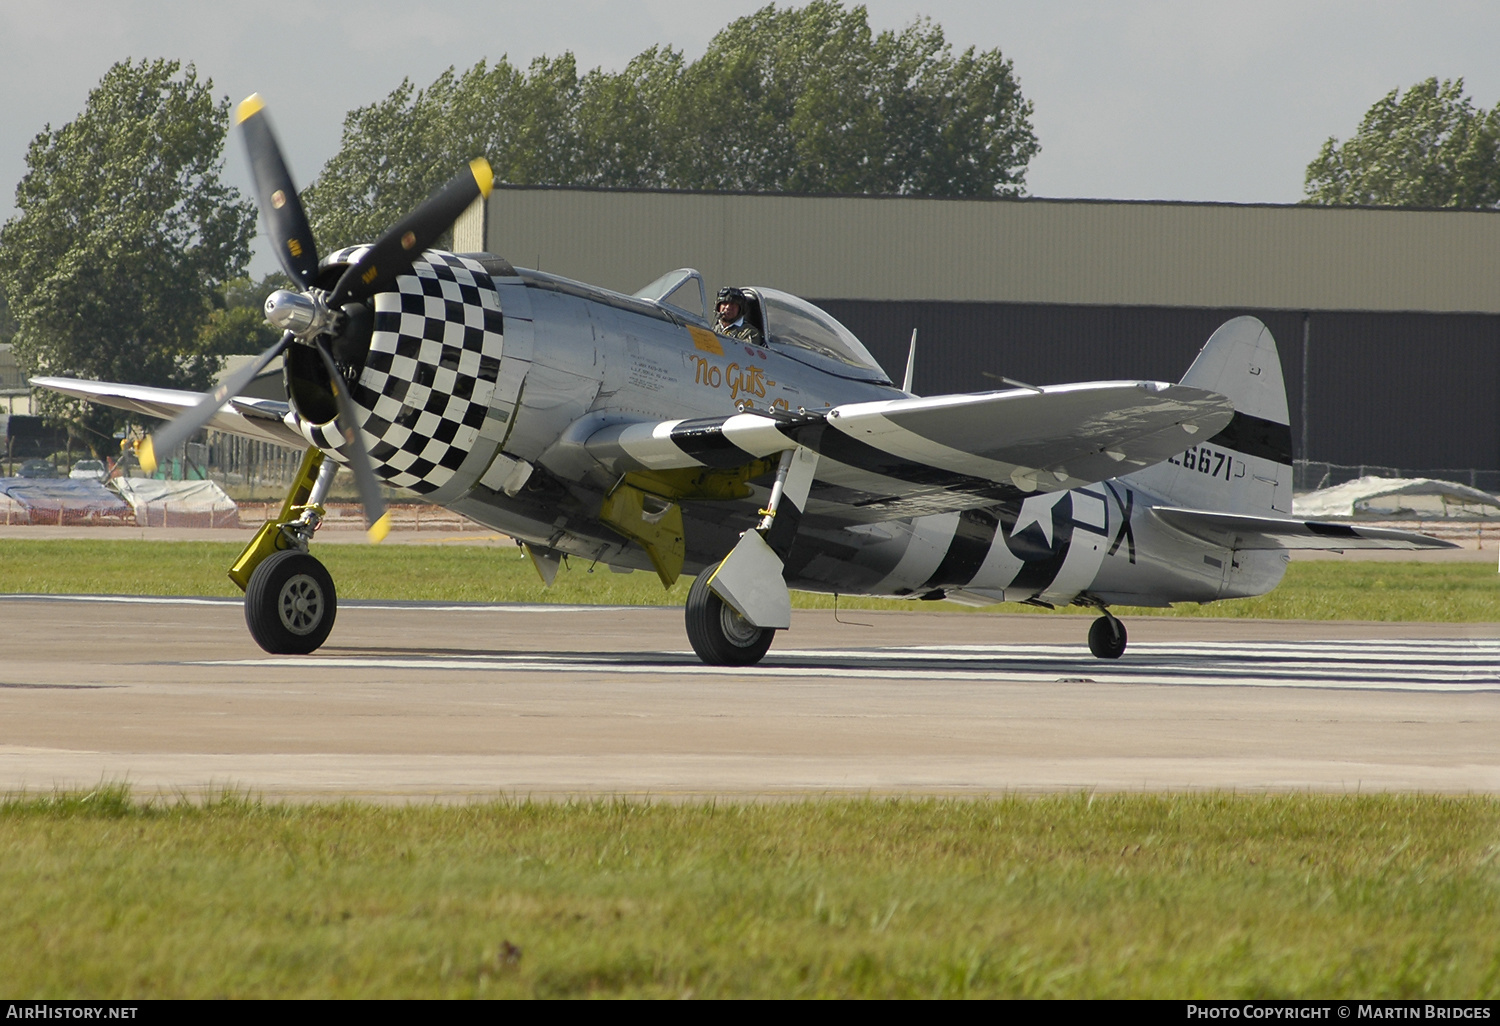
{"x": 1247, "y": 467}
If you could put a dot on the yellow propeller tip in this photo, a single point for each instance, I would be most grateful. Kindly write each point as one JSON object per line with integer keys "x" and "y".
{"x": 248, "y": 108}
{"x": 146, "y": 453}
{"x": 379, "y": 529}
{"x": 483, "y": 176}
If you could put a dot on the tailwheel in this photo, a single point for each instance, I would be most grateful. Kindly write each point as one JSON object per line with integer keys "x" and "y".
{"x": 290, "y": 603}
{"x": 721, "y": 636}
{"x": 1107, "y": 637}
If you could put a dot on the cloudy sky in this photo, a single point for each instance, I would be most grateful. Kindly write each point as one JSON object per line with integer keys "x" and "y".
{"x": 1148, "y": 100}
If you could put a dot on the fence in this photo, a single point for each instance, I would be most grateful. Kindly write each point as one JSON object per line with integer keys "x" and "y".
{"x": 232, "y": 460}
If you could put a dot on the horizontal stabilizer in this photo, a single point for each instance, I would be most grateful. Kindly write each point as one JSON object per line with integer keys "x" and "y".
{"x": 1241, "y": 531}
{"x": 260, "y": 419}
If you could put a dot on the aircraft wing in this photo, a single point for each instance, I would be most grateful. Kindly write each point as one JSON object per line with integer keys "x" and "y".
{"x": 908, "y": 457}
{"x": 260, "y": 419}
{"x": 1237, "y": 531}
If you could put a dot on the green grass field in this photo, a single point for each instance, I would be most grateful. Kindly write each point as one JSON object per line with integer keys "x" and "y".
{"x": 1073, "y": 896}
{"x": 1320, "y": 590}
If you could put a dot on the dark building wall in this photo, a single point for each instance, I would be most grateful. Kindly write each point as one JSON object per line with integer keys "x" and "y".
{"x": 1417, "y": 391}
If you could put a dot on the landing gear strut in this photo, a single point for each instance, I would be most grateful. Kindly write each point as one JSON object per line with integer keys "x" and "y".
{"x": 721, "y": 636}
{"x": 1107, "y": 637}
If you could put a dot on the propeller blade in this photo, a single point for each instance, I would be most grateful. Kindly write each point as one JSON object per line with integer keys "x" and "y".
{"x": 398, "y": 247}
{"x": 182, "y": 427}
{"x": 377, "y": 520}
{"x": 277, "y": 195}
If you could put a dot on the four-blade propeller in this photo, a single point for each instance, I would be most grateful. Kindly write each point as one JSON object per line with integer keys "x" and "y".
{"x": 311, "y": 316}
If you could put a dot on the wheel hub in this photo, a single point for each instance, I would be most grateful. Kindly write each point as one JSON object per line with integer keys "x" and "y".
{"x": 300, "y": 604}
{"x": 737, "y": 630}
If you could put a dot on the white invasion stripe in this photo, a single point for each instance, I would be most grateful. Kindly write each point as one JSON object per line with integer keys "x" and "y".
{"x": 927, "y": 543}
{"x": 757, "y": 435}
{"x": 651, "y": 446}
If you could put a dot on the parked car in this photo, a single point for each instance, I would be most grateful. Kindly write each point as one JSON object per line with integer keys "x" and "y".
{"x": 89, "y": 470}
{"x": 38, "y": 468}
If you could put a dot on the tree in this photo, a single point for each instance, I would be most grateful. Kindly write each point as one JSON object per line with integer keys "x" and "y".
{"x": 784, "y": 100}
{"x": 7, "y": 321}
{"x": 811, "y": 100}
{"x": 1430, "y": 147}
{"x": 124, "y": 236}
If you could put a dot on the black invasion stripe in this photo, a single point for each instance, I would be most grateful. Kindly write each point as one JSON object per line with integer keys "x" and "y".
{"x": 1255, "y": 436}
{"x": 850, "y": 451}
{"x": 784, "y": 529}
{"x": 971, "y": 543}
{"x": 1332, "y": 530}
{"x": 704, "y": 441}
{"x": 1043, "y": 564}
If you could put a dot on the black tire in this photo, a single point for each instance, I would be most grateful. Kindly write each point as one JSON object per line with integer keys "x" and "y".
{"x": 290, "y": 604}
{"x": 1107, "y": 638}
{"x": 719, "y": 635}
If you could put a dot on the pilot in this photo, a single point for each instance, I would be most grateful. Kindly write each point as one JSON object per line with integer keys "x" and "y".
{"x": 733, "y": 303}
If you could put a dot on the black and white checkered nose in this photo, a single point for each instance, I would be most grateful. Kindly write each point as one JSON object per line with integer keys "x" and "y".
{"x": 430, "y": 372}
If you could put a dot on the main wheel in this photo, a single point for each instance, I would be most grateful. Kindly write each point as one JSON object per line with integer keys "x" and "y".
{"x": 721, "y": 636}
{"x": 290, "y": 603}
{"x": 1107, "y": 638}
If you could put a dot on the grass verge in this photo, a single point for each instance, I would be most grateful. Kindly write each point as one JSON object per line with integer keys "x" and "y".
{"x": 1384, "y": 896}
{"x": 1315, "y": 590}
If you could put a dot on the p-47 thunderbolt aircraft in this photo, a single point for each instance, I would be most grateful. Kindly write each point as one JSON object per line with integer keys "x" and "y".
{"x": 626, "y": 430}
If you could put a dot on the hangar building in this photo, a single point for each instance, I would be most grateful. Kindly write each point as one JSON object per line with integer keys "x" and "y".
{"x": 1388, "y": 321}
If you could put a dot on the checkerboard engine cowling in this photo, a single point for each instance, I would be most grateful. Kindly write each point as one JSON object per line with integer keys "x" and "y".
{"x": 431, "y": 370}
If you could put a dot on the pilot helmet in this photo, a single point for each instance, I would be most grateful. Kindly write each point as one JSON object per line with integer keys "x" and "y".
{"x": 730, "y": 294}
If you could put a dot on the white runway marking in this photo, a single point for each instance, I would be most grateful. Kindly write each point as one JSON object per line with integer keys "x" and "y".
{"x": 1397, "y": 665}
{"x": 431, "y": 607}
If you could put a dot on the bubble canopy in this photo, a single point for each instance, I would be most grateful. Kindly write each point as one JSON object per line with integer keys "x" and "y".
{"x": 802, "y": 332}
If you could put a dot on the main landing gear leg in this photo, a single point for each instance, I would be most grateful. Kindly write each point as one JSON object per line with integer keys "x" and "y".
{"x": 1107, "y": 637}
{"x": 290, "y": 601}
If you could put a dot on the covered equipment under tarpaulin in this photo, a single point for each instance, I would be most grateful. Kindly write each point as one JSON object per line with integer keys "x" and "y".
{"x": 62, "y": 501}
{"x": 178, "y": 503}
{"x": 1398, "y": 498}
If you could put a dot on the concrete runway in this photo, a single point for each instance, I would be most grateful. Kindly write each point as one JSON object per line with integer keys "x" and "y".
{"x": 423, "y": 701}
